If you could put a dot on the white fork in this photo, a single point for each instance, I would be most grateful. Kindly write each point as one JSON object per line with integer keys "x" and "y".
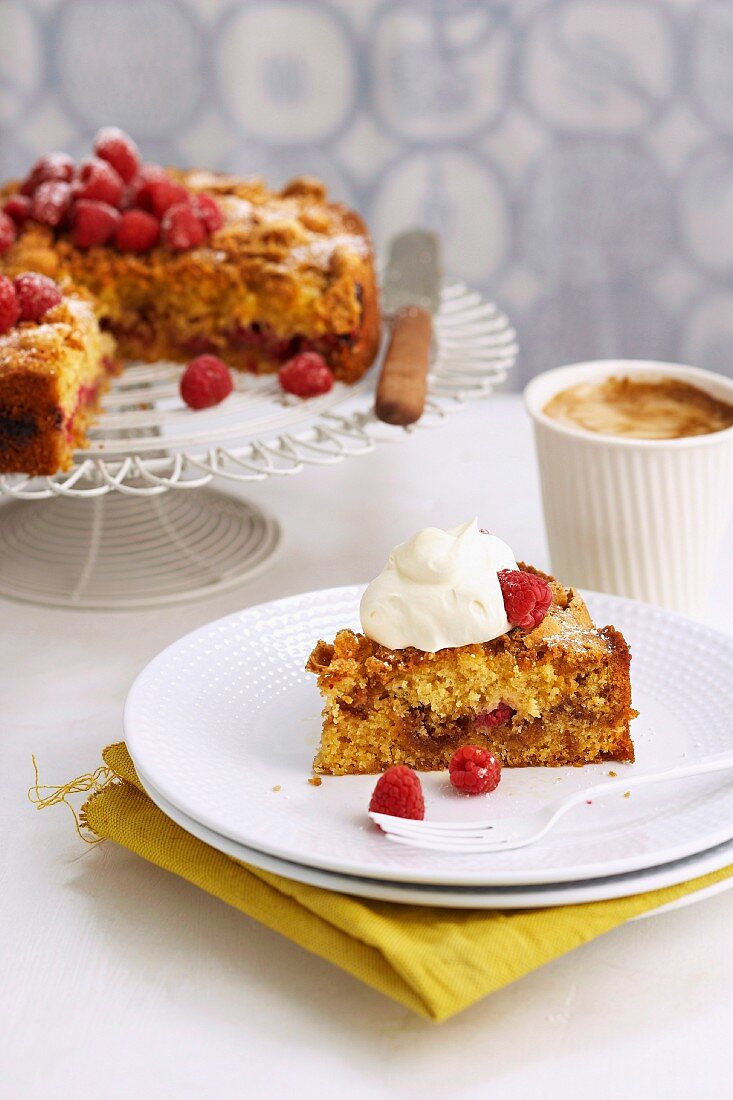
{"x": 504, "y": 833}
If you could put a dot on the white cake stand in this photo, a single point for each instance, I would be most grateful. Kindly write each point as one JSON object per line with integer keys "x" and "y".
{"x": 135, "y": 522}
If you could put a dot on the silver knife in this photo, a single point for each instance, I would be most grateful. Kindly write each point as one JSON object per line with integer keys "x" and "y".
{"x": 411, "y": 297}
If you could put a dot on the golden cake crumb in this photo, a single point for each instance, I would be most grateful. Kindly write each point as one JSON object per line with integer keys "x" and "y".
{"x": 613, "y": 774}
{"x": 315, "y": 781}
{"x": 277, "y": 787}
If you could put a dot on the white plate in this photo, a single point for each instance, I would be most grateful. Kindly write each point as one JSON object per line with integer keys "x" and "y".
{"x": 226, "y": 714}
{"x": 475, "y": 897}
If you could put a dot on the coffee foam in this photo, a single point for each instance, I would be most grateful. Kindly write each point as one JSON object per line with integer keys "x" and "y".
{"x": 653, "y": 408}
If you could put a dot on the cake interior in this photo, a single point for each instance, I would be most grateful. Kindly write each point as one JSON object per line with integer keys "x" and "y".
{"x": 565, "y": 689}
{"x": 52, "y": 377}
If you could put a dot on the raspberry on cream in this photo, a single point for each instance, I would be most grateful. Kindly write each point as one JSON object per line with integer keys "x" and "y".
{"x": 439, "y": 590}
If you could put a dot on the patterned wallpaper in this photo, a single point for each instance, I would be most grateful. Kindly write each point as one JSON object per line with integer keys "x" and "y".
{"x": 577, "y": 155}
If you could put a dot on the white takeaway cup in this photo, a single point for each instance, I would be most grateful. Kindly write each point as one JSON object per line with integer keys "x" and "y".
{"x": 637, "y": 517}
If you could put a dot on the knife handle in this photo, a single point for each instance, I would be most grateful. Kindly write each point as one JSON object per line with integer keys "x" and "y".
{"x": 403, "y": 381}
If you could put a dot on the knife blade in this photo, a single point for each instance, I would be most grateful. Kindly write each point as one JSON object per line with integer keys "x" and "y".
{"x": 411, "y": 297}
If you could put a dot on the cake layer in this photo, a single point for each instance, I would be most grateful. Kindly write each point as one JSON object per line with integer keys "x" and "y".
{"x": 288, "y": 271}
{"x": 52, "y": 376}
{"x": 563, "y": 688}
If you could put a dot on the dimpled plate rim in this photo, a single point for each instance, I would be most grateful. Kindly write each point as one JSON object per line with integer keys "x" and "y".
{"x": 226, "y": 713}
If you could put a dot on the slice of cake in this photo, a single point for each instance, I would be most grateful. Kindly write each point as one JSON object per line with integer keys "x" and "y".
{"x": 54, "y": 365}
{"x": 457, "y": 671}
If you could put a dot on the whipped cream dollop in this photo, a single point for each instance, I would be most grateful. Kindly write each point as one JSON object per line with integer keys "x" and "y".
{"x": 438, "y": 590}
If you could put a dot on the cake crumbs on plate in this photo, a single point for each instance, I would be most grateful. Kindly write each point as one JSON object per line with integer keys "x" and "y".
{"x": 315, "y": 781}
{"x": 627, "y": 794}
{"x": 613, "y": 774}
{"x": 277, "y": 787}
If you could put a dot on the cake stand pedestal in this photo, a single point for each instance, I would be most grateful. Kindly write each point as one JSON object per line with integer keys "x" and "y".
{"x": 118, "y": 551}
{"x": 136, "y": 523}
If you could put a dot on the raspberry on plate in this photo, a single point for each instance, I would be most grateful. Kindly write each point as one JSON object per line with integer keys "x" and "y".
{"x": 9, "y": 308}
{"x": 398, "y": 793}
{"x": 527, "y": 597}
{"x": 53, "y": 166}
{"x": 7, "y": 232}
{"x": 181, "y": 228}
{"x": 474, "y": 770}
{"x": 206, "y": 381}
{"x": 306, "y": 375}
{"x": 119, "y": 150}
{"x": 96, "y": 179}
{"x": 18, "y": 207}
{"x": 93, "y": 223}
{"x": 36, "y": 294}
{"x": 51, "y": 202}
{"x": 138, "y": 231}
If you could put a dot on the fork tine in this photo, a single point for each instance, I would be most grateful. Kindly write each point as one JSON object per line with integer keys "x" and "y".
{"x": 437, "y": 845}
{"x": 422, "y": 827}
{"x": 429, "y": 834}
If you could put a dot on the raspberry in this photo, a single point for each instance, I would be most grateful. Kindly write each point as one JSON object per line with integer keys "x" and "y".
{"x": 119, "y": 150}
{"x": 496, "y": 717}
{"x": 36, "y": 294}
{"x": 160, "y": 194}
{"x": 7, "y": 232}
{"x": 208, "y": 211}
{"x": 138, "y": 231}
{"x": 474, "y": 770}
{"x": 54, "y": 166}
{"x": 180, "y": 228}
{"x": 51, "y": 202}
{"x": 398, "y": 793}
{"x": 9, "y": 308}
{"x": 306, "y": 375}
{"x": 137, "y": 192}
{"x": 96, "y": 179}
{"x": 93, "y": 223}
{"x": 526, "y": 597}
{"x": 18, "y": 207}
{"x": 206, "y": 381}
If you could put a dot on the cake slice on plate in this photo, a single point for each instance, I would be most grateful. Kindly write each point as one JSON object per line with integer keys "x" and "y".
{"x": 463, "y": 646}
{"x": 55, "y": 364}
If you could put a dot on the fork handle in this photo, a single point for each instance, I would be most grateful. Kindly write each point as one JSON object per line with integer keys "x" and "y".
{"x": 718, "y": 763}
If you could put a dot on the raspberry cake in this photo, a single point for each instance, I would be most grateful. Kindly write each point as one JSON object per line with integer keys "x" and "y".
{"x": 462, "y": 646}
{"x": 182, "y": 263}
{"x": 54, "y": 365}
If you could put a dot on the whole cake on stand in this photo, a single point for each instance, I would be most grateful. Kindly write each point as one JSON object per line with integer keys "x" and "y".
{"x": 172, "y": 265}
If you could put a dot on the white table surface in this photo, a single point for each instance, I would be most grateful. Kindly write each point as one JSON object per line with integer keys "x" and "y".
{"x": 120, "y": 980}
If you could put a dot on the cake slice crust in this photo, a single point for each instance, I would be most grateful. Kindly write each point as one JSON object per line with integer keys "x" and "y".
{"x": 566, "y": 682}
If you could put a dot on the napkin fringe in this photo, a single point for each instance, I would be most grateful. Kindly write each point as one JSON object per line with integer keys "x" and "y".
{"x": 43, "y": 795}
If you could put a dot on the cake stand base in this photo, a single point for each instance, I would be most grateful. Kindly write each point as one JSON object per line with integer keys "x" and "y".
{"x": 118, "y": 551}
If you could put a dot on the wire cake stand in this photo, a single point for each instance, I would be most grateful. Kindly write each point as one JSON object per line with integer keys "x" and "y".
{"x": 124, "y": 527}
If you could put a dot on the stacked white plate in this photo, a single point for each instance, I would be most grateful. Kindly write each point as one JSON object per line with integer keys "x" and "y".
{"x": 222, "y": 727}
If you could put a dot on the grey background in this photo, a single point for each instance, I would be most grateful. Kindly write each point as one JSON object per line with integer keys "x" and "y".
{"x": 577, "y": 155}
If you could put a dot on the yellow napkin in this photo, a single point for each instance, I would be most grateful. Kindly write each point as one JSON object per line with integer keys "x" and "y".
{"x": 435, "y": 961}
